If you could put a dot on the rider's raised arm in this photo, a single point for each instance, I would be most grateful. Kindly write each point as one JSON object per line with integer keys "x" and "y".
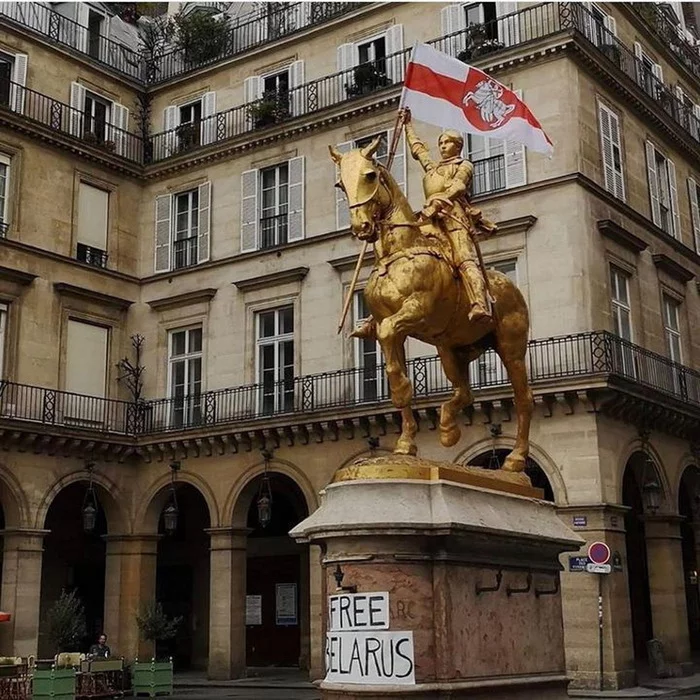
{"x": 418, "y": 149}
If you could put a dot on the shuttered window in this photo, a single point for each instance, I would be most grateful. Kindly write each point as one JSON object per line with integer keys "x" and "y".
{"x": 86, "y": 359}
{"x": 93, "y": 212}
{"x": 185, "y": 376}
{"x": 672, "y": 328}
{"x": 3, "y": 339}
{"x": 693, "y": 196}
{"x": 4, "y": 193}
{"x": 663, "y": 192}
{"x": 183, "y": 228}
{"x": 612, "y": 151}
{"x": 379, "y": 53}
{"x": 272, "y": 205}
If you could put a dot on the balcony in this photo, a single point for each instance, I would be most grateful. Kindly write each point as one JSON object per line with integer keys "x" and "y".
{"x": 580, "y": 359}
{"x": 268, "y": 25}
{"x": 62, "y": 118}
{"x": 91, "y": 256}
{"x": 49, "y": 24}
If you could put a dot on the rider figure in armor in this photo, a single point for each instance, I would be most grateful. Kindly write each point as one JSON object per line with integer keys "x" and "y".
{"x": 446, "y": 185}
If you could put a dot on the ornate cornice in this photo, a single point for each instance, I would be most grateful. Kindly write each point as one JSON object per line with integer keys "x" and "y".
{"x": 65, "y": 289}
{"x": 619, "y": 234}
{"x": 295, "y": 274}
{"x": 185, "y": 299}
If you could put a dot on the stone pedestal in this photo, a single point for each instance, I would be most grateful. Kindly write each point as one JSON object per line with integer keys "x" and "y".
{"x": 471, "y": 568}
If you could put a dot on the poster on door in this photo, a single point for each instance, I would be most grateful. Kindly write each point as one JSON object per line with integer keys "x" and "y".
{"x": 253, "y": 610}
{"x": 286, "y": 604}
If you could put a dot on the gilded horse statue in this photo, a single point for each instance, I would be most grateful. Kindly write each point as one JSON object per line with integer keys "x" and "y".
{"x": 413, "y": 291}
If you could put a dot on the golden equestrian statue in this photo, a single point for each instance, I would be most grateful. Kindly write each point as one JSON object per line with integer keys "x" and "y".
{"x": 429, "y": 282}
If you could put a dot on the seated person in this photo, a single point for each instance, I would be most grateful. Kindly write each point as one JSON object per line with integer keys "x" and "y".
{"x": 100, "y": 650}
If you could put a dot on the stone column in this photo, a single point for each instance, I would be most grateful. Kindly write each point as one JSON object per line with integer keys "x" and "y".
{"x": 21, "y": 590}
{"x": 603, "y": 523}
{"x": 317, "y": 601}
{"x": 666, "y": 586}
{"x": 130, "y": 583}
{"x": 227, "y": 634}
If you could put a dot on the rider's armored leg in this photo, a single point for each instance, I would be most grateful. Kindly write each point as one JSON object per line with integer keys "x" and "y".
{"x": 473, "y": 281}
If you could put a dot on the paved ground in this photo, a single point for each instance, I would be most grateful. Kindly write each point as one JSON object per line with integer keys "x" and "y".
{"x": 247, "y": 693}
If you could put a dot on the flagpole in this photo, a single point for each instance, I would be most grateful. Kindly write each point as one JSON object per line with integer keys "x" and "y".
{"x": 398, "y": 126}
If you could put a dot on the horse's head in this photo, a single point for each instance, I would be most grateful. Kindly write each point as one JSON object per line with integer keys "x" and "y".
{"x": 361, "y": 178}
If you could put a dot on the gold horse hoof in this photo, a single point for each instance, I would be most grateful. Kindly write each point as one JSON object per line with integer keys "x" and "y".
{"x": 449, "y": 436}
{"x": 514, "y": 464}
{"x": 406, "y": 447}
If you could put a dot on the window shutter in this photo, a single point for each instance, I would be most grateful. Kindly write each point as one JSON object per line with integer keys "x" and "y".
{"x": 588, "y": 22}
{"x": 19, "y": 76}
{"x": 296, "y": 199}
{"x": 208, "y": 126}
{"x": 454, "y": 19}
{"x": 618, "y": 177}
{"x": 342, "y": 214}
{"x": 296, "y": 82}
{"x": 394, "y": 44}
{"x": 398, "y": 167}
{"x": 252, "y": 89}
{"x": 93, "y": 216}
{"x": 606, "y": 148}
{"x": 163, "y": 228}
{"x": 346, "y": 56}
{"x": 508, "y": 29}
{"x": 658, "y": 72}
{"x": 639, "y": 68}
{"x": 674, "y": 198}
{"x": 77, "y": 103}
{"x": 694, "y": 211}
{"x": 516, "y": 173}
{"x": 653, "y": 189}
{"x": 204, "y": 236}
{"x": 611, "y": 25}
{"x": 249, "y": 210}
{"x": 171, "y": 118}
{"x": 120, "y": 122}
{"x": 695, "y": 122}
{"x": 82, "y": 14}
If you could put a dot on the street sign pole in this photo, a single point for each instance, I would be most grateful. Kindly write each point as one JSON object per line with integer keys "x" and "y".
{"x": 600, "y": 628}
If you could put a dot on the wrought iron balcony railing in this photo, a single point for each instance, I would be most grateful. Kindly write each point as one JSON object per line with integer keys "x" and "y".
{"x": 595, "y": 354}
{"x": 616, "y": 53}
{"x": 4, "y": 226}
{"x": 91, "y": 256}
{"x": 42, "y": 20}
{"x": 185, "y": 252}
{"x": 271, "y": 23}
{"x": 670, "y": 34}
{"x": 70, "y": 121}
{"x": 489, "y": 175}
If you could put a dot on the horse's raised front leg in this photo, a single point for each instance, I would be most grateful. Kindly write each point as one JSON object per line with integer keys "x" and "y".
{"x": 391, "y": 334}
{"x": 456, "y": 369}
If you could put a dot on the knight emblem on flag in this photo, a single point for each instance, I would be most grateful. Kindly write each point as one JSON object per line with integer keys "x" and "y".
{"x": 489, "y": 109}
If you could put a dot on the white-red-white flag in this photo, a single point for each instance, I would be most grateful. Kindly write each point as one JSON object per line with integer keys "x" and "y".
{"x": 442, "y": 90}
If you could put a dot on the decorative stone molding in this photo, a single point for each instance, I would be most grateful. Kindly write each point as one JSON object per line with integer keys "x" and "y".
{"x": 17, "y": 276}
{"x": 619, "y": 234}
{"x": 672, "y": 268}
{"x": 65, "y": 289}
{"x": 348, "y": 262}
{"x": 185, "y": 299}
{"x": 295, "y": 274}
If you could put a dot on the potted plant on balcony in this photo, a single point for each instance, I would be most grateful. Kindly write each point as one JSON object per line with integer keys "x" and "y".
{"x": 201, "y": 36}
{"x": 367, "y": 78}
{"x": 478, "y": 43}
{"x": 187, "y": 136}
{"x": 612, "y": 53}
{"x": 272, "y": 108}
{"x": 154, "y": 677}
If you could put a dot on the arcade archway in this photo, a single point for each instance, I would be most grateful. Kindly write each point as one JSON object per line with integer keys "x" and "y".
{"x": 689, "y": 510}
{"x": 277, "y": 579}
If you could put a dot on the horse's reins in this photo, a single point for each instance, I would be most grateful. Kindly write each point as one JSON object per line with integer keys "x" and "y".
{"x": 398, "y": 128}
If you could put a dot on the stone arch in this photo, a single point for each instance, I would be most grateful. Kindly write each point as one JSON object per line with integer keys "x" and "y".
{"x": 687, "y": 463}
{"x": 14, "y": 501}
{"x": 543, "y": 460}
{"x": 108, "y": 494}
{"x": 152, "y": 504}
{"x": 239, "y": 499}
{"x": 637, "y": 447}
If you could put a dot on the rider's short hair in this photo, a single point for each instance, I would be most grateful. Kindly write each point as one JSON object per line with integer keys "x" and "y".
{"x": 454, "y": 136}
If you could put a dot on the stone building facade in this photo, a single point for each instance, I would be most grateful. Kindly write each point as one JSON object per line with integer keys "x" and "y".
{"x": 191, "y": 202}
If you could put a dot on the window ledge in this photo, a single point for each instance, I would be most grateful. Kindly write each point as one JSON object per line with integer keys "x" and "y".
{"x": 348, "y": 262}
{"x": 65, "y": 289}
{"x": 295, "y": 274}
{"x": 172, "y": 302}
{"x": 672, "y": 268}
{"x": 621, "y": 235}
